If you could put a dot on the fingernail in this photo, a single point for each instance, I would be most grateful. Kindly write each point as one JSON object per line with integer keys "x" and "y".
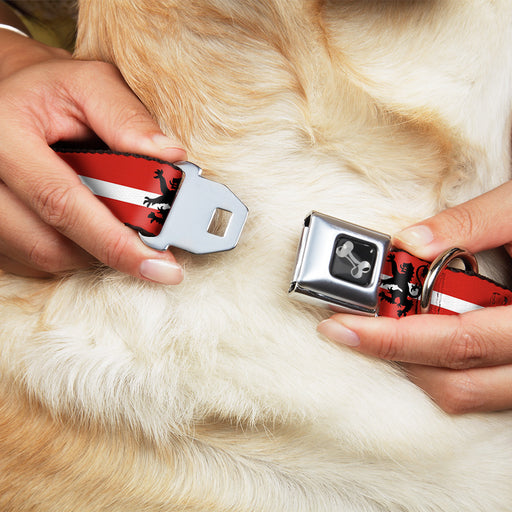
{"x": 161, "y": 271}
{"x": 416, "y": 236}
{"x": 164, "y": 143}
{"x": 338, "y": 333}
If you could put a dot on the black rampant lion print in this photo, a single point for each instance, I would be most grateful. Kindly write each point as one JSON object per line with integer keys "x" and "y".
{"x": 403, "y": 287}
{"x": 166, "y": 199}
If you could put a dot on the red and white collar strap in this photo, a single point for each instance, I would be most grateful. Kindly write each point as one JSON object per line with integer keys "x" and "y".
{"x": 168, "y": 204}
{"x": 339, "y": 265}
{"x": 353, "y": 269}
{"x": 435, "y": 288}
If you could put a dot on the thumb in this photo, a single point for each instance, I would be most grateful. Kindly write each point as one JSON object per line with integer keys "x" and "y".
{"x": 479, "y": 224}
{"x": 119, "y": 118}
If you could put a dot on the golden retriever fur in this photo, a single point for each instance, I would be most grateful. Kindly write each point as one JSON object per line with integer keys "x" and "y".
{"x": 217, "y": 394}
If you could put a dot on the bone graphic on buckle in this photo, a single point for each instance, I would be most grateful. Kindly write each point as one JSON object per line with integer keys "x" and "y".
{"x": 358, "y": 267}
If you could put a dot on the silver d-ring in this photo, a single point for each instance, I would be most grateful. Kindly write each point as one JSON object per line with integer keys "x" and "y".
{"x": 470, "y": 264}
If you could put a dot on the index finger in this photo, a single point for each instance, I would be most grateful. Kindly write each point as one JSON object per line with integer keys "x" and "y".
{"x": 117, "y": 115}
{"x": 53, "y": 190}
{"x": 474, "y": 339}
{"x": 478, "y": 224}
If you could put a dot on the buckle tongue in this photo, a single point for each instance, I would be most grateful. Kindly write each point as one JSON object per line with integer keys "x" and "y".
{"x": 339, "y": 265}
{"x": 197, "y": 200}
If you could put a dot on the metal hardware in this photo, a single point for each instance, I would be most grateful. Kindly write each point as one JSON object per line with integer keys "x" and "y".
{"x": 339, "y": 265}
{"x": 187, "y": 224}
{"x": 470, "y": 264}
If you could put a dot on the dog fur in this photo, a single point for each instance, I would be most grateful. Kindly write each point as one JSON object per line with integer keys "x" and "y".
{"x": 217, "y": 394}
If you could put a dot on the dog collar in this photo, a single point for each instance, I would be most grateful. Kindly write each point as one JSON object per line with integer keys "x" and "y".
{"x": 348, "y": 268}
{"x": 340, "y": 265}
{"x": 168, "y": 204}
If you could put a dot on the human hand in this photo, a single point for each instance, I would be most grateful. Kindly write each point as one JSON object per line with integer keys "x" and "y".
{"x": 464, "y": 362}
{"x": 50, "y": 222}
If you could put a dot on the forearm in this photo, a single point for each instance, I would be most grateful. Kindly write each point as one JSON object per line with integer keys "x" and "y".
{"x": 17, "y": 51}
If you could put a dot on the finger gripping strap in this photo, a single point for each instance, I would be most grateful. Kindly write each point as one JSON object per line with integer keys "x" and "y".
{"x": 455, "y": 291}
{"x": 138, "y": 190}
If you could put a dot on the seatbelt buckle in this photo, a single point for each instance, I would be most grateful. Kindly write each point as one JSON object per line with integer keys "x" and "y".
{"x": 188, "y": 224}
{"x": 339, "y": 265}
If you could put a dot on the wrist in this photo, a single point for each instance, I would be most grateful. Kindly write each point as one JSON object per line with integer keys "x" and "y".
{"x": 18, "y": 52}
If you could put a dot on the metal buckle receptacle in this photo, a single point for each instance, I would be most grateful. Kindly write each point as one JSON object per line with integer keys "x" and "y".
{"x": 339, "y": 265}
{"x": 188, "y": 222}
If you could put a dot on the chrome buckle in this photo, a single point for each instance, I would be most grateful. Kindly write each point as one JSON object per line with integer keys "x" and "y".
{"x": 195, "y": 205}
{"x": 339, "y": 265}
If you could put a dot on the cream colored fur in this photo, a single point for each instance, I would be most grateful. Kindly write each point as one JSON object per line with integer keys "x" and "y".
{"x": 218, "y": 395}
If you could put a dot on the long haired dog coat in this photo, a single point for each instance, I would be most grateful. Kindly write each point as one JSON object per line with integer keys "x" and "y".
{"x": 217, "y": 394}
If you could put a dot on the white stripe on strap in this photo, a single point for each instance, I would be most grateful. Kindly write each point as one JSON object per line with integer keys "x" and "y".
{"x": 454, "y": 304}
{"x": 444, "y": 301}
{"x": 119, "y": 192}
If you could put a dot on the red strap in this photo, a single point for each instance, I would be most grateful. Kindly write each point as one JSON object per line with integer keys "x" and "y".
{"x": 455, "y": 291}
{"x": 138, "y": 190}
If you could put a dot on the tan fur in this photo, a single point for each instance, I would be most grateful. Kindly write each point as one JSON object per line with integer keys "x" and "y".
{"x": 217, "y": 394}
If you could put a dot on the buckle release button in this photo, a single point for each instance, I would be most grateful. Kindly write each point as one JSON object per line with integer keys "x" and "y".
{"x": 353, "y": 260}
{"x": 339, "y": 265}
